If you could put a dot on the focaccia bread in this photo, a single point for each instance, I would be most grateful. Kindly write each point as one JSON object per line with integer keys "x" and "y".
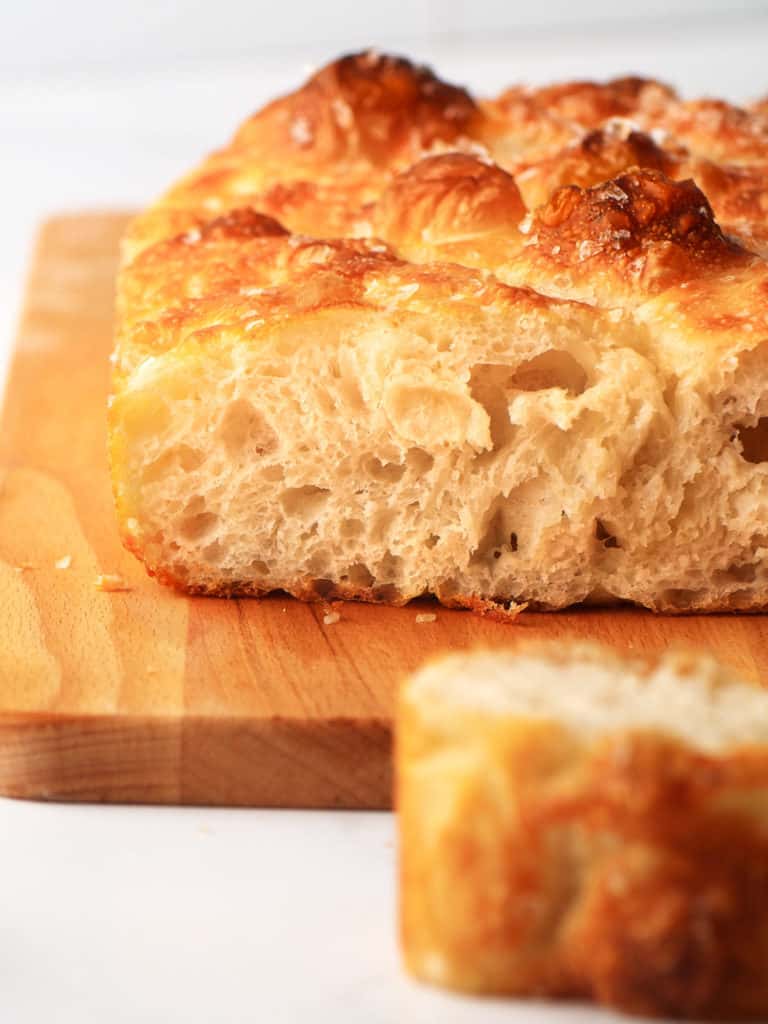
{"x": 490, "y": 403}
{"x": 575, "y": 823}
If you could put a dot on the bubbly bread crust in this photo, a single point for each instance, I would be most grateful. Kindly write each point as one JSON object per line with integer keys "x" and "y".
{"x": 318, "y": 158}
{"x": 565, "y": 832}
{"x": 494, "y": 403}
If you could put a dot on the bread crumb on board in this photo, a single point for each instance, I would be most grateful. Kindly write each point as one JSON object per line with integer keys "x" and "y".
{"x": 330, "y": 618}
{"x": 426, "y": 617}
{"x": 64, "y": 562}
{"x": 110, "y": 582}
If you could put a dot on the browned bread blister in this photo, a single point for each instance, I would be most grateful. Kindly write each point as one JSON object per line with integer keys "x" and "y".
{"x": 352, "y": 360}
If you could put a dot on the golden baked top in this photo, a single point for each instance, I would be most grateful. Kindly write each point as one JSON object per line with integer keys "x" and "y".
{"x": 319, "y": 158}
{"x": 620, "y": 195}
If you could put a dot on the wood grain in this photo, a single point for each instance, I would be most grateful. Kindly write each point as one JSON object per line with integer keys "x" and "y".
{"x": 148, "y": 696}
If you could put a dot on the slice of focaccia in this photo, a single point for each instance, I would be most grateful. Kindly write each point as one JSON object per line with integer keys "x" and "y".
{"x": 574, "y": 823}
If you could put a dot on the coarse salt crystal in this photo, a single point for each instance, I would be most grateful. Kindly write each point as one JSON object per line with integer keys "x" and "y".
{"x": 343, "y": 113}
{"x": 587, "y": 249}
{"x": 110, "y": 582}
{"x": 525, "y": 224}
{"x": 426, "y": 617}
{"x": 64, "y": 562}
{"x": 301, "y": 131}
{"x": 405, "y": 291}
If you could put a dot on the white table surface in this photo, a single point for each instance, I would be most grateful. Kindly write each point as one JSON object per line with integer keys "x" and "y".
{"x": 112, "y": 915}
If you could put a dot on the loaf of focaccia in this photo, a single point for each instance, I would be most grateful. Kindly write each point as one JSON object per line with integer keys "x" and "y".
{"x": 576, "y": 823}
{"x": 457, "y": 381}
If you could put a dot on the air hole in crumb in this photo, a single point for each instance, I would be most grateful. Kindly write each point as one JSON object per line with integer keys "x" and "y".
{"x": 214, "y": 553}
{"x": 603, "y": 534}
{"x": 197, "y": 526}
{"x": 552, "y": 369}
{"x": 679, "y": 598}
{"x": 318, "y": 564}
{"x": 419, "y": 461}
{"x": 389, "y": 568}
{"x": 496, "y": 538}
{"x": 740, "y": 573}
{"x": 488, "y": 385}
{"x": 305, "y": 502}
{"x": 351, "y": 528}
{"x": 244, "y": 429}
{"x": 182, "y": 457}
{"x": 431, "y": 540}
{"x": 754, "y": 441}
{"x": 322, "y": 588}
{"x": 359, "y": 575}
{"x": 387, "y": 472}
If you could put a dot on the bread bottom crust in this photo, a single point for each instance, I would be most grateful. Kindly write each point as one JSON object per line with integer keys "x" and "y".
{"x": 501, "y": 609}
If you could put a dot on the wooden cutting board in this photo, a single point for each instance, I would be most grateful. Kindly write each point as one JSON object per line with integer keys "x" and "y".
{"x": 145, "y": 695}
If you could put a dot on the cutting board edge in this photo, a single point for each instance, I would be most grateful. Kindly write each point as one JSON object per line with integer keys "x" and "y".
{"x": 196, "y": 761}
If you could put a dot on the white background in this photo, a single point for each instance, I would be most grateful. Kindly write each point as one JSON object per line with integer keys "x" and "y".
{"x": 115, "y": 915}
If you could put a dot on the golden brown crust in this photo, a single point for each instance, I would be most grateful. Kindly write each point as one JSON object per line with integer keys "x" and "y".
{"x": 709, "y": 128}
{"x": 717, "y": 130}
{"x": 449, "y": 198}
{"x": 615, "y": 244}
{"x": 499, "y": 609}
{"x": 589, "y": 103}
{"x": 317, "y": 155}
{"x": 682, "y": 936}
{"x": 366, "y": 106}
{"x": 599, "y": 155}
{"x": 530, "y": 124}
{"x": 633, "y": 869}
{"x": 643, "y": 227}
{"x": 319, "y": 158}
